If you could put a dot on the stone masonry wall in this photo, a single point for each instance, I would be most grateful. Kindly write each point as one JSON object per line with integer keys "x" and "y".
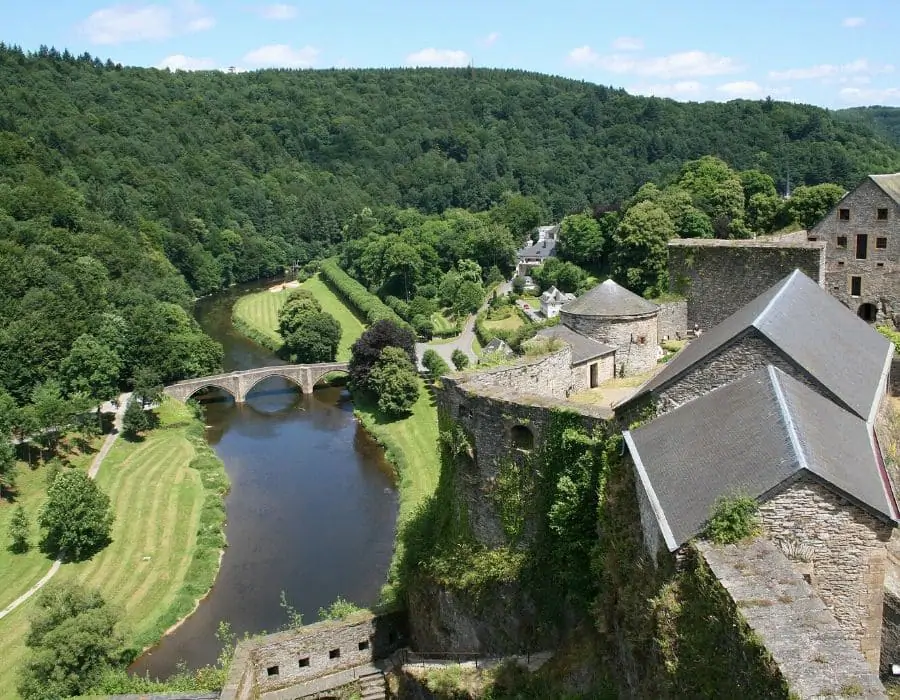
{"x": 894, "y": 381}
{"x": 581, "y": 374}
{"x": 848, "y": 555}
{"x": 792, "y": 622}
{"x": 720, "y": 276}
{"x": 287, "y": 658}
{"x": 672, "y": 319}
{"x": 748, "y": 353}
{"x": 890, "y": 623}
{"x": 634, "y": 338}
{"x": 550, "y": 375}
{"x": 880, "y": 269}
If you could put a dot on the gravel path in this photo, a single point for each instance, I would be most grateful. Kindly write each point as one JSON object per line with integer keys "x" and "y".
{"x": 92, "y": 473}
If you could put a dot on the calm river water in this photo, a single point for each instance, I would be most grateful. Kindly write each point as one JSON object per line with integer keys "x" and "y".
{"x": 311, "y": 511}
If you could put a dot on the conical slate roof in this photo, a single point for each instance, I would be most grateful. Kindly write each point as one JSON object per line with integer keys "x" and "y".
{"x": 610, "y": 299}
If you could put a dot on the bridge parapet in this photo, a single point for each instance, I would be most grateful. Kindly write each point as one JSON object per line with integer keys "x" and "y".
{"x": 240, "y": 383}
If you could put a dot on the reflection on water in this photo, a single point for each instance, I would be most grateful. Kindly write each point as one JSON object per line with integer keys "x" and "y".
{"x": 311, "y": 511}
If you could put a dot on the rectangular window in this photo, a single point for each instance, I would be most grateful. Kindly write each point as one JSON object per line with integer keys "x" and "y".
{"x": 881, "y": 243}
{"x": 272, "y": 671}
{"x": 882, "y": 215}
{"x": 812, "y": 238}
{"x": 844, "y": 214}
{"x": 334, "y": 654}
{"x": 364, "y": 645}
{"x": 304, "y": 662}
{"x": 855, "y": 286}
{"x": 841, "y": 241}
{"x": 862, "y": 245}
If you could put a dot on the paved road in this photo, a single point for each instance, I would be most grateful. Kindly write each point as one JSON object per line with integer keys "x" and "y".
{"x": 92, "y": 473}
{"x": 461, "y": 342}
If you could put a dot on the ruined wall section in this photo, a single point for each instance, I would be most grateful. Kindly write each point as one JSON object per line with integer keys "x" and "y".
{"x": 718, "y": 277}
{"x": 672, "y": 321}
{"x": 848, "y": 555}
{"x": 550, "y": 375}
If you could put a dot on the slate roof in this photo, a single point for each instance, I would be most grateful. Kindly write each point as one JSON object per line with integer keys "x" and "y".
{"x": 890, "y": 184}
{"x": 542, "y": 249}
{"x": 554, "y": 295}
{"x": 753, "y": 436}
{"x": 583, "y": 348}
{"x": 812, "y": 328}
{"x": 610, "y": 299}
{"x": 497, "y": 345}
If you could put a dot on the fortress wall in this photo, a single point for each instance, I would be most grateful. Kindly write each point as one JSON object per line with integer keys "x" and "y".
{"x": 718, "y": 277}
{"x": 550, "y": 375}
{"x": 672, "y": 319}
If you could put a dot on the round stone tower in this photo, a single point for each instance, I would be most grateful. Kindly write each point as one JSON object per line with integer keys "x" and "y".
{"x": 611, "y": 314}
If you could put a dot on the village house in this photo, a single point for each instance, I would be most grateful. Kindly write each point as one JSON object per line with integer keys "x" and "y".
{"x": 536, "y": 251}
{"x": 552, "y": 301}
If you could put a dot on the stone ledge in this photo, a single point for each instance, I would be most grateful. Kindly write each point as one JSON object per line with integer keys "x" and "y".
{"x": 791, "y": 621}
{"x": 742, "y": 243}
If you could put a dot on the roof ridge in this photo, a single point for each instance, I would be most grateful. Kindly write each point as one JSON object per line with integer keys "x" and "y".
{"x": 768, "y": 307}
{"x": 786, "y": 416}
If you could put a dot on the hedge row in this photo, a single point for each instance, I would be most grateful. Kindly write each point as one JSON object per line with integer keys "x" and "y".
{"x": 367, "y": 304}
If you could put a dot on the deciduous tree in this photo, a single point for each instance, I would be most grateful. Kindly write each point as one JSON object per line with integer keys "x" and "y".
{"x": 76, "y": 518}
{"x": 394, "y": 381}
{"x": 315, "y": 338}
{"x": 460, "y": 359}
{"x": 367, "y": 349}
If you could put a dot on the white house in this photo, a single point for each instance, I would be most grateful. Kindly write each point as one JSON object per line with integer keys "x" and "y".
{"x": 552, "y": 300}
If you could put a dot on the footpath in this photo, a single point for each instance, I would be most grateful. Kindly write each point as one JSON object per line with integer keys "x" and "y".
{"x": 92, "y": 474}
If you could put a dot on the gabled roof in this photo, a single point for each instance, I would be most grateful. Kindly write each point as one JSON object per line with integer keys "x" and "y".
{"x": 541, "y": 249}
{"x": 554, "y": 295}
{"x": 753, "y": 437}
{"x": 583, "y": 348}
{"x": 889, "y": 183}
{"x": 812, "y": 328}
{"x": 610, "y": 299}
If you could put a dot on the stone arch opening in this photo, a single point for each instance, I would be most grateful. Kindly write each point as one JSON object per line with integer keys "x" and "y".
{"x": 207, "y": 387}
{"x": 867, "y": 312}
{"x": 522, "y": 438}
{"x": 273, "y": 375}
{"x": 333, "y": 377}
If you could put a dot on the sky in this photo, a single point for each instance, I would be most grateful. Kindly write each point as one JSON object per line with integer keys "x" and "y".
{"x": 824, "y": 52}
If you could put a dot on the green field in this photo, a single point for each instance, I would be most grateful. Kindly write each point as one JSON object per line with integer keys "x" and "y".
{"x": 411, "y": 445}
{"x": 158, "y": 501}
{"x": 256, "y": 315}
{"x": 443, "y": 325}
{"x": 506, "y": 318}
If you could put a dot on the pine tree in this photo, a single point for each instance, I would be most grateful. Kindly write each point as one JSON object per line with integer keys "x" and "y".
{"x": 19, "y": 531}
{"x": 135, "y": 420}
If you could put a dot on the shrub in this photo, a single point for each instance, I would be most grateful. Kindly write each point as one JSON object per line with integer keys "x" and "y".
{"x": 366, "y": 303}
{"x": 435, "y": 364}
{"x": 460, "y": 359}
{"x": 340, "y": 609}
{"x": 892, "y": 335}
{"x": 734, "y": 518}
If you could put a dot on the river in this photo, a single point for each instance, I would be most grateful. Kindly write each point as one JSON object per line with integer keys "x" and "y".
{"x": 312, "y": 507}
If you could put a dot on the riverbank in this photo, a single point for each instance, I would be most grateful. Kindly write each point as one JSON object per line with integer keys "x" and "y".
{"x": 167, "y": 492}
{"x": 256, "y": 315}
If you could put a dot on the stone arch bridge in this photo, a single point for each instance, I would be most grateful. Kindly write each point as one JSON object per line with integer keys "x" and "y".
{"x": 239, "y": 383}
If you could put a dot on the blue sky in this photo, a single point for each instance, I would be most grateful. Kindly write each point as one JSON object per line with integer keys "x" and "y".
{"x": 825, "y": 52}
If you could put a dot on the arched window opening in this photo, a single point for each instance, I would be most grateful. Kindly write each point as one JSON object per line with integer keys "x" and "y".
{"x": 868, "y": 312}
{"x": 522, "y": 438}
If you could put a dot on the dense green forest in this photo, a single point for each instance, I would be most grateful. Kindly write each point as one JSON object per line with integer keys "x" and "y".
{"x": 883, "y": 120}
{"x": 126, "y": 192}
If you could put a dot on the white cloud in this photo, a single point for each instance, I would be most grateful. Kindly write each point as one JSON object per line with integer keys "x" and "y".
{"x": 179, "y": 61}
{"x": 853, "y": 21}
{"x": 451, "y": 58}
{"x": 860, "y": 66}
{"x": 628, "y": 43}
{"x": 282, "y": 56}
{"x": 279, "y": 11}
{"x": 870, "y": 96}
{"x": 741, "y": 88}
{"x": 122, "y": 23}
{"x": 686, "y": 64}
{"x": 685, "y": 89}
{"x": 491, "y": 39}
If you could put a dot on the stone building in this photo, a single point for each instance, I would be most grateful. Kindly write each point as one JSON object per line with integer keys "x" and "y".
{"x": 778, "y": 403}
{"x": 862, "y": 236}
{"x": 536, "y": 250}
{"x": 612, "y": 315}
{"x": 552, "y": 301}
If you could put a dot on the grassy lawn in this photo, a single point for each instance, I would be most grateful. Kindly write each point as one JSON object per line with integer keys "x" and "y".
{"x": 533, "y": 302}
{"x": 505, "y": 318}
{"x": 411, "y": 445}
{"x": 150, "y": 570}
{"x": 256, "y": 315}
{"x": 442, "y": 324}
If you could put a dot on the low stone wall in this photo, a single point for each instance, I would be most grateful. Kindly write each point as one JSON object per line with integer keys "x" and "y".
{"x": 550, "y": 375}
{"x": 287, "y": 658}
{"x": 805, "y": 641}
{"x": 672, "y": 320}
{"x": 718, "y": 277}
{"x": 894, "y": 381}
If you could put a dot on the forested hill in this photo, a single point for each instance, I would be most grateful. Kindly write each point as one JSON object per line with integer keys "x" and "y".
{"x": 882, "y": 120}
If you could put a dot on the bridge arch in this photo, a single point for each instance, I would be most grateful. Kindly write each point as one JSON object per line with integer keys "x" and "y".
{"x": 317, "y": 376}
{"x": 287, "y": 376}
{"x": 212, "y": 385}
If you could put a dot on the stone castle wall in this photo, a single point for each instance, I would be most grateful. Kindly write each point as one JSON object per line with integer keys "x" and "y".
{"x": 880, "y": 269}
{"x": 634, "y": 338}
{"x": 672, "y": 319}
{"x": 718, "y": 277}
{"x": 748, "y": 353}
{"x": 550, "y": 375}
{"x": 848, "y": 555}
{"x": 894, "y": 381}
{"x": 581, "y": 374}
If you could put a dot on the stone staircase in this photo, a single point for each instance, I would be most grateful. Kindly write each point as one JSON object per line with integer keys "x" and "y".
{"x": 372, "y": 686}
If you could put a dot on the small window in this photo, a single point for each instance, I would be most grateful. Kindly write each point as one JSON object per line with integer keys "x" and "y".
{"x": 882, "y": 215}
{"x": 862, "y": 246}
{"x": 364, "y": 645}
{"x": 844, "y": 214}
{"x": 855, "y": 286}
{"x": 841, "y": 241}
{"x": 881, "y": 243}
{"x": 840, "y": 262}
{"x": 522, "y": 438}
{"x": 879, "y": 264}
{"x": 812, "y": 238}
{"x": 334, "y": 654}
{"x": 272, "y": 671}
{"x": 304, "y": 662}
